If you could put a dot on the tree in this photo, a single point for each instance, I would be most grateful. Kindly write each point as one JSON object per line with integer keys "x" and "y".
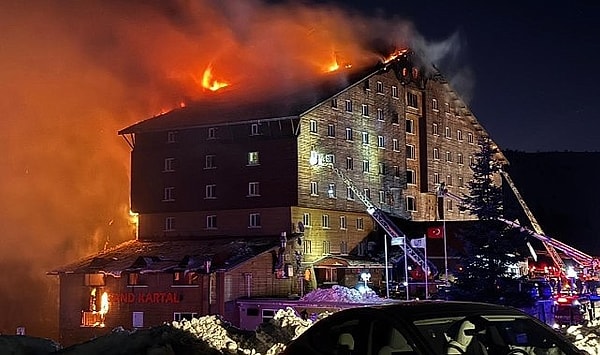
{"x": 491, "y": 247}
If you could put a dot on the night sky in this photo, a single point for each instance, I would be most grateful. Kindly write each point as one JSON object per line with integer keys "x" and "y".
{"x": 527, "y": 69}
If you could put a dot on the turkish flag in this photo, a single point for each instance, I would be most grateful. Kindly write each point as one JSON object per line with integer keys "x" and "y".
{"x": 435, "y": 232}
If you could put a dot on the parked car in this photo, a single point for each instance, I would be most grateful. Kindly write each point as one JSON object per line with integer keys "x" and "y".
{"x": 431, "y": 327}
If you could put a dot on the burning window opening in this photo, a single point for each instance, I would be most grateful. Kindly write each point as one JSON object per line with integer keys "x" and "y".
{"x": 98, "y": 308}
{"x": 208, "y": 82}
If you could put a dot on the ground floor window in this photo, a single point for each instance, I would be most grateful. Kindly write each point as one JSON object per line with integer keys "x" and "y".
{"x": 179, "y": 316}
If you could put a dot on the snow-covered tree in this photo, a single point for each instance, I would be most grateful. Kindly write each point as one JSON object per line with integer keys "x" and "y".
{"x": 491, "y": 247}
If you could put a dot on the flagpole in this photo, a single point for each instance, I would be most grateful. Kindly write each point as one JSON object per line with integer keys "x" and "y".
{"x": 387, "y": 276}
{"x": 406, "y": 269}
{"x": 426, "y": 268}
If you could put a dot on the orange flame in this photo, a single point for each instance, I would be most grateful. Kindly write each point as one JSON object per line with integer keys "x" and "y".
{"x": 395, "y": 54}
{"x": 209, "y": 83}
{"x": 335, "y": 64}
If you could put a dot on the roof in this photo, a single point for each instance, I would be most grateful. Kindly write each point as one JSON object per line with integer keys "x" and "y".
{"x": 227, "y": 108}
{"x": 172, "y": 255}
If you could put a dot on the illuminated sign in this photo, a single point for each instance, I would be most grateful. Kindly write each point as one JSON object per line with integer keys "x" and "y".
{"x": 149, "y": 297}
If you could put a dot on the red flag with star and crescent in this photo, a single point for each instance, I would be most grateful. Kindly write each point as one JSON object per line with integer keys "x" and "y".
{"x": 435, "y": 232}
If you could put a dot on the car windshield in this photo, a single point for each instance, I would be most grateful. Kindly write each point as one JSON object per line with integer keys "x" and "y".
{"x": 490, "y": 334}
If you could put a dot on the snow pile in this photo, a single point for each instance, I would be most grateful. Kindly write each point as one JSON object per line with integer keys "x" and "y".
{"x": 584, "y": 337}
{"x": 342, "y": 294}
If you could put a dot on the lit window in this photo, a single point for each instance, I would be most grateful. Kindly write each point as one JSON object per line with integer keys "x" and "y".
{"x": 411, "y": 177}
{"x": 348, "y": 106}
{"x": 210, "y": 191}
{"x": 349, "y": 134}
{"x": 169, "y": 224}
{"x": 343, "y": 224}
{"x": 435, "y": 130}
{"x": 365, "y": 110}
{"x": 365, "y": 166}
{"x": 349, "y": 163}
{"x": 325, "y": 221}
{"x": 394, "y": 91}
{"x": 381, "y": 141}
{"x": 410, "y": 126}
{"x": 436, "y": 154}
{"x": 211, "y": 222}
{"x": 253, "y": 189}
{"x": 380, "y": 116}
{"x": 254, "y": 129}
{"x": 314, "y": 188}
{"x": 212, "y": 133}
{"x": 172, "y": 137}
{"x": 412, "y": 100}
{"x": 360, "y": 224}
{"x": 434, "y": 104}
{"x": 331, "y": 191}
{"x": 379, "y": 87}
{"x": 365, "y": 138}
{"x": 169, "y": 165}
{"x": 330, "y": 130}
{"x": 210, "y": 162}
{"x": 410, "y": 151}
{"x": 313, "y": 126}
{"x": 254, "y": 221}
{"x": 169, "y": 194}
{"x": 253, "y": 158}
{"x": 411, "y": 204}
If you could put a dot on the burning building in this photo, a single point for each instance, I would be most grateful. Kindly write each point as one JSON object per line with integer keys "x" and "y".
{"x": 240, "y": 198}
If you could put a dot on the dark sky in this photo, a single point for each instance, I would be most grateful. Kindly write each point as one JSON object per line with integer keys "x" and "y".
{"x": 528, "y": 68}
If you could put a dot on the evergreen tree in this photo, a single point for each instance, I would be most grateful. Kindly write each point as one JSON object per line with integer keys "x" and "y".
{"x": 491, "y": 247}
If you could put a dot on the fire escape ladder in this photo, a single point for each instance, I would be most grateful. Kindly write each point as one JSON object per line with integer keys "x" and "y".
{"x": 386, "y": 223}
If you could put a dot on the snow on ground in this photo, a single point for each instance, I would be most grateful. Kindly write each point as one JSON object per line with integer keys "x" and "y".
{"x": 211, "y": 335}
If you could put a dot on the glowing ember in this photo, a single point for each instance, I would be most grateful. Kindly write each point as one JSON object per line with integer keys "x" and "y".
{"x": 208, "y": 82}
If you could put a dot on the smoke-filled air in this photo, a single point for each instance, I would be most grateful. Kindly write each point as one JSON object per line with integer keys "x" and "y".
{"x": 72, "y": 73}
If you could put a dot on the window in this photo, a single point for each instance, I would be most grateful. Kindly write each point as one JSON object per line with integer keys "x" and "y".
{"x": 169, "y": 194}
{"x": 366, "y": 85}
{"x": 436, "y": 178}
{"x": 254, "y": 188}
{"x": 410, "y": 126}
{"x": 343, "y": 223}
{"x": 344, "y": 247}
{"x": 307, "y": 246}
{"x": 314, "y": 188}
{"x": 410, "y": 151}
{"x": 169, "y": 165}
{"x": 212, "y": 133}
{"x": 395, "y": 145}
{"x": 172, "y": 137}
{"x": 254, "y": 129}
{"x": 331, "y": 191}
{"x": 379, "y": 87}
{"x": 461, "y": 183}
{"x": 349, "y": 163}
{"x": 210, "y": 191}
{"x": 325, "y": 221}
{"x": 381, "y": 196}
{"x": 137, "y": 319}
{"x": 326, "y": 247}
{"x": 435, "y": 130}
{"x": 349, "y": 134}
{"x": 349, "y": 194}
{"x": 330, "y": 130}
{"x": 411, "y": 177}
{"x": 253, "y": 158}
{"x": 94, "y": 280}
{"x": 449, "y": 180}
{"x": 367, "y": 192}
{"x": 133, "y": 279}
{"x": 348, "y": 106}
{"x": 412, "y": 100}
{"x": 169, "y": 224}
{"x": 411, "y": 204}
{"x": 211, "y": 222}
{"x": 330, "y": 158}
{"x": 365, "y": 166}
{"x": 381, "y": 170}
{"x": 446, "y": 107}
{"x": 381, "y": 141}
{"x": 448, "y": 132}
{"x": 306, "y": 219}
{"x": 313, "y": 126}
{"x": 471, "y": 160}
{"x": 360, "y": 224}
{"x": 396, "y": 171}
{"x": 380, "y": 116}
{"x": 459, "y": 135}
{"x": 434, "y": 104}
{"x": 449, "y": 157}
{"x": 395, "y": 118}
{"x": 449, "y": 205}
{"x": 470, "y": 137}
{"x": 394, "y": 91}
{"x": 365, "y": 138}
{"x": 334, "y": 103}
{"x": 254, "y": 221}
{"x": 365, "y": 110}
{"x": 210, "y": 162}
{"x": 179, "y": 316}
{"x": 459, "y": 158}
{"x": 436, "y": 154}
